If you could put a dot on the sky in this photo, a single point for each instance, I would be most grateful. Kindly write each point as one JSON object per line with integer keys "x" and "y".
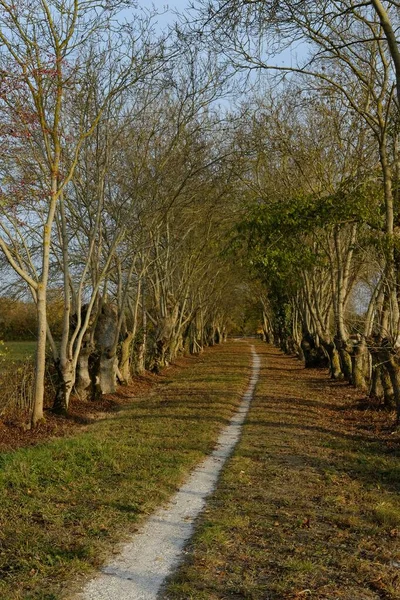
{"x": 287, "y": 57}
{"x": 167, "y": 8}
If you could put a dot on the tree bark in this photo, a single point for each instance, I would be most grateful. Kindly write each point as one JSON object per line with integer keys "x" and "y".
{"x": 360, "y": 359}
{"x": 66, "y": 380}
{"x": 387, "y": 387}
{"x": 313, "y": 355}
{"x": 125, "y": 362}
{"x": 393, "y": 368}
{"x": 106, "y": 365}
{"x": 335, "y": 368}
{"x": 84, "y": 380}
{"x": 40, "y": 362}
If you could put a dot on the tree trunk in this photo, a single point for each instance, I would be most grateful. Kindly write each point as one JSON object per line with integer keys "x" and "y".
{"x": 381, "y": 386}
{"x": 66, "y": 380}
{"x": 140, "y": 355}
{"x": 393, "y": 368}
{"x": 313, "y": 355}
{"x": 84, "y": 380}
{"x": 388, "y": 393}
{"x": 210, "y": 335}
{"x": 335, "y": 369}
{"x": 174, "y": 347}
{"x": 345, "y": 359}
{"x": 376, "y": 389}
{"x": 106, "y": 365}
{"x": 40, "y": 362}
{"x": 125, "y": 362}
{"x": 195, "y": 339}
{"x": 159, "y": 360}
{"x": 106, "y": 374}
{"x": 360, "y": 359}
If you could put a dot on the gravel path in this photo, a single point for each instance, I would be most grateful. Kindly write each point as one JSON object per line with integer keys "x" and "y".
{"x": 154, "y": 552}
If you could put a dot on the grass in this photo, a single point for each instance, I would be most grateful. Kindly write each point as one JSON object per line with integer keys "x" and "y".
{"x": 19, "y": 351}
{"x": 307, "y": 507}
{"x": 65, "y": 503}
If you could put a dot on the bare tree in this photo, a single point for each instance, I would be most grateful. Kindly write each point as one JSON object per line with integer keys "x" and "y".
{"x": 49, "y": 53}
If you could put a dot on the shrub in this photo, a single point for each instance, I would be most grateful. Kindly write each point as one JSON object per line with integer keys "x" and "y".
{"x": 17, "y": 389}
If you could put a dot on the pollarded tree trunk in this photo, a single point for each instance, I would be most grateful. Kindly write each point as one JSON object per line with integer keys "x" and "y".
{"x": 186, "y": 337}
{"x": 161, "y": 346}
{"x": 66, "y": 379}
{"x": 125, "y": 361}
{"x": 313, "y": 354}
{"x": 106, "y": 374}
{"x": 393, "y": 368}
{"x": 390, "y": 375}
{"x": 127, "y": 358}
{"x": 164, "y": 342}
{"x": 345, "y": 359}
{"x": 159, "y": 352}
{"x": 308, "y": 348}
{"x": 210, "y": 338}
{"x": 381, "y": 387}
{"x": 140, "y": 353}
{"x": 388, "y": 393}
{"x": 194, "y": 338}
{"x": 300, "y": 353}
{"x": 335, "y": 369}
{"x": 376, "y": 389}
{"x": 106, "y": 363}
{"x": 84, "y": 382}
{"x": 141, "y": 345}
{"x": 174, "y": 347}
{"x": 290, "y": 345}
{"x": 361, "y": 359}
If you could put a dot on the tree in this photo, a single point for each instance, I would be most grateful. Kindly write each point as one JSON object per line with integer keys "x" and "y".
{"x": 50, "y": 54}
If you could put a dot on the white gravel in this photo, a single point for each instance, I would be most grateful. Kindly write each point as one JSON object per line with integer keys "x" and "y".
{"x": 155, "y": 551}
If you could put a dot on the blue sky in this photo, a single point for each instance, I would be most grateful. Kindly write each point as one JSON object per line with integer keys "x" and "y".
{"x": 286, "y": 58}
{"x": 165, "y": 7}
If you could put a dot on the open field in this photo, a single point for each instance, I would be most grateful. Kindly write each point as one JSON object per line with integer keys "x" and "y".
{"x": 308, "y": 507}
{"x": 65, "y": 502}
{"x": 19, "y": 351}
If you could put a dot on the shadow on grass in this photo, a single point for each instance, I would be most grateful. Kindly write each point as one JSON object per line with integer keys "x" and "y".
{"x": 359, "y": 457}
{"x": 294, "y": 404}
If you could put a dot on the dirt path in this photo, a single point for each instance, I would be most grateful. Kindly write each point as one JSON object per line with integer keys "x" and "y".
{"x": 144, "y": 563}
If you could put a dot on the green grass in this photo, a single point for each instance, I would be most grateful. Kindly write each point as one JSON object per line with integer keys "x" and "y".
{"x": 65, "y": 503}
{"x": 307, "y": 507}
{"x": 19, "y": 351}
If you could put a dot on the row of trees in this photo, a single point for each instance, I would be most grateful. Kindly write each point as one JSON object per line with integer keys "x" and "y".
{"x": 322, "y": 180}
{"x": 114, "y": 179}
{"x": 122, "y": 179}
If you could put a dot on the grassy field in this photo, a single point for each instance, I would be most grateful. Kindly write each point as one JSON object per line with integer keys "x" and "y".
{"x": 308, "y": 507}
{"x": 19, "y": 351}
{"x": 65, "y": 503}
